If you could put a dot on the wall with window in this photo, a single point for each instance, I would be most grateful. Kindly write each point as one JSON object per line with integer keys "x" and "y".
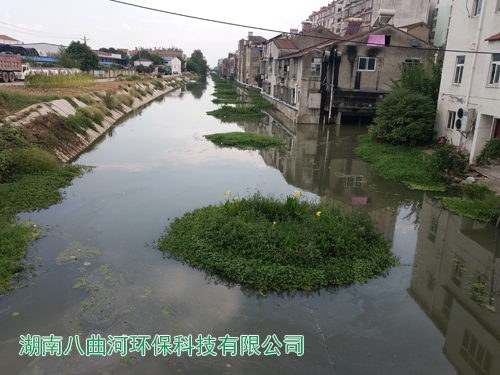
{"x": 470, "y": 79}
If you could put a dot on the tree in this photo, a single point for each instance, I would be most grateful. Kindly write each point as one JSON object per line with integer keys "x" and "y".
{"x": 197, "y": 63}
{"x": 64, "y": 58}
{"x": 140, "y": 69}
{"x": 404, "y": 117}
{"x": 85, "y": 57}
{"x": 143, "y": 54}
{"x": 156, "y": 59}
{"x": 423, "y": 80}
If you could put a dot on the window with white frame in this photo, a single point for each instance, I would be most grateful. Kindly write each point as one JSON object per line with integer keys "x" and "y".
{"x": 452, "y": 115}
{"x": 366, "y": 63}
{"x": 316, "y": 67}
{"x": 495, "y": 70}
{"x": 459, "y": 70}
{"x": 478, "y": 5}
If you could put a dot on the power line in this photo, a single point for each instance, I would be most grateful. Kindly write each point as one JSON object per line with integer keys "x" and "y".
{"x": 37, "y": 32}
{"x": 435, "y": 49}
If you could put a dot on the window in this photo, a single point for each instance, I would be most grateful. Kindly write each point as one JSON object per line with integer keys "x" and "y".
{"x": 475, "y": 354}
{"x": 316, "y": 67}
{"x": 451, "y": 119}
{"x": 459, "y": 70}
{"x": 495, "y": 70}
{"x": 458, "y": 268}
{"x": 478, "y": 4}
{"x": 366, "y": 63}
{"x": 433, "y": 228}
{"x": 354, "y": 181}
{"x": 498, "y": 6}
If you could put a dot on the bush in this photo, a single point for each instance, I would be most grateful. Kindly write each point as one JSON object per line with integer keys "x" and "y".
{"x": 447, "y": 158}
{"x": 490, "y": 151}
{"x": 404, "y": 118}
{"x": 159, "y": 75}
{"x": 245, "y": 140}
{"x": 32, "y": 160}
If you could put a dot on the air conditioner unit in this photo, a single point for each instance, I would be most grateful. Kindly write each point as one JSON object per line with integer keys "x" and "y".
{"x": 465, "y": 119}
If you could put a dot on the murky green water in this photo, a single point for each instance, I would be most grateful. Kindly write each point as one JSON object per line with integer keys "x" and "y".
{"x": 423, "y": 318}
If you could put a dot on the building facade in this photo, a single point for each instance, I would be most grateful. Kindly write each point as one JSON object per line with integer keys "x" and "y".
{"x": 469, "y": 96}
{"x": 439, "y": 22}
{"x": 249, "y": 54}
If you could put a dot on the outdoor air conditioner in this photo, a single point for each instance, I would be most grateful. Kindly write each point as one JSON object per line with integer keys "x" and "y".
{"x": 465, "y": 119}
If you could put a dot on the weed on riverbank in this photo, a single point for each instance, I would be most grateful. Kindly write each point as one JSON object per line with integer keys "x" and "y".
{"x": 245, "y": 140}
{"x": 279, "y": 242}
{"x": 30, "y": 179}
{"x": 14, "y": 100}
{"x": 47, "y": 81}
{"x": 398, "y": 163}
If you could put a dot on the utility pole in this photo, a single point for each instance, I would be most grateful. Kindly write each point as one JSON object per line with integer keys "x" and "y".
{"x": 85, "y": 39}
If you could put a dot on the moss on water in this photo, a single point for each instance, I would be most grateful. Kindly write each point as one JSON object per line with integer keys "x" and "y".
{"x": 76, "y": 252}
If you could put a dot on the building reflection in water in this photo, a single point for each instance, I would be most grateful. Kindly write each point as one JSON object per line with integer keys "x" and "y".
{"x": 455, "y": 280}
{"x": 320, "y": 159}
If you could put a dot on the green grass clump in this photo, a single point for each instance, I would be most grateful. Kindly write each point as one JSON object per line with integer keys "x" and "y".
{"x": 71, "y": 101}
{"x": 398, "y": 163}
{"x": 16, "y": 101}
{"x": 135, "y": 93}
{"x": 42, "y": 80}
{"x": 259, "y": 101}
{"x": 86, "y": 98}
{"x": 237, "y": 113}
{"x": 490, "y": 151}
{"x": 226, "y": 94}
{"x": 228, "y": 101}
{"x": 279, "y": 243}
{"x": 245, "y": 140}
{"x": 157, "y": 83}
{"x": 481, "y": 203}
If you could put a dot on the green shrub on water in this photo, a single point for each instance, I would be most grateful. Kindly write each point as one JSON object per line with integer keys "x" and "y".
{"x": 228, "y": 101}
{"x": 245, "y": 140}
{"x": 279, "y": 243}
{"x": 237, "y": 113}
{"x": 398, "y": 163}
{"x": 485, "y": 209}
{"x": 491, "y": 151}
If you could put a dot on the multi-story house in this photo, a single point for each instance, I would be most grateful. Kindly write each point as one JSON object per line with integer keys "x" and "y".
{"x": 469, "y": 96}
{"x": 339, "y": 76}
{"x": 439, "y": 22}
{"x": 248, "y": 59}
{"x": 351, "y": 16}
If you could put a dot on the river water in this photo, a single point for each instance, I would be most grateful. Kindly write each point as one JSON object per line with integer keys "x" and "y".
{"x": 99, "y": 275}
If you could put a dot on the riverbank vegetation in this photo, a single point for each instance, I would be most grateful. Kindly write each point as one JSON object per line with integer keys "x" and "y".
{"x": 404, "y": 126}
{"x": 30, "y": 179}
{"x": 49, "y": 81}
{"x": 245, "y": 140}
{"x": 279, "y": 242}
{"x": 15, "y": 100}
{"x": 225, "y": 93}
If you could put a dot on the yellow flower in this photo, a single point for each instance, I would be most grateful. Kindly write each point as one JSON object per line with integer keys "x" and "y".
{"x": 297, "y": 193}
{"x": 235, "y": 198}
{"x": 228, "y": 192}
{"x": 318, "y": 213}
{"x": 274, "y": 223}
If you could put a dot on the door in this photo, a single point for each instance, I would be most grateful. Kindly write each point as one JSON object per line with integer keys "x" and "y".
{"x": 497, "y": 129}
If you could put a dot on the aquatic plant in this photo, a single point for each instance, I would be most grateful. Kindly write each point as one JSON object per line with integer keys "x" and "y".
{"x": 279, "y": 242}
{"x": 237, "y": 113}
{"x": 398, "y": 163}
{"x": 244, "y": 140}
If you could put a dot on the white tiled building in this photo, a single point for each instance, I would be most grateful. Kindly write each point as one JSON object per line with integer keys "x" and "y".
{"x": 470, "y": 85}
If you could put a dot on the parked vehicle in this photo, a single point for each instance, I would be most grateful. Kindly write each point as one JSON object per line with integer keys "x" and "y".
{"x": 26, "y": 70}
{"x": 10, "y": 64}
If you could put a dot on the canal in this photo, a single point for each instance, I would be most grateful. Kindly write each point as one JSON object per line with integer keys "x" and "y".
{"x": 97, "y": 273}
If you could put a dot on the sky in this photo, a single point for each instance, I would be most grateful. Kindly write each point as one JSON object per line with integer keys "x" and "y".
{"x": 109, "y": 24}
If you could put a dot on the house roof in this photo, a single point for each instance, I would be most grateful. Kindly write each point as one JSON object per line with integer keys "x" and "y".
{"x": 143, "y": 60}
{"x": 5, "y": 37}
{"x": 493, "y": 37}
{"x": 413, "y": 25}
{"x": 170, "y": 58}
{"x": 285, "y": 44}
{"x": 345, "y": 38}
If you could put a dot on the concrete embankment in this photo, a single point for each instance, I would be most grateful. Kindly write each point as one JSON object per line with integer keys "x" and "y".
{"x": 64, "y": 108}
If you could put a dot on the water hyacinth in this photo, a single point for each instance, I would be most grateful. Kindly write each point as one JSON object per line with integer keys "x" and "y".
{"x": 240, "y": 240}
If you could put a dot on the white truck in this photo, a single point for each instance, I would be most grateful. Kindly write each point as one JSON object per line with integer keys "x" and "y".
{"x": 10, "y": 65}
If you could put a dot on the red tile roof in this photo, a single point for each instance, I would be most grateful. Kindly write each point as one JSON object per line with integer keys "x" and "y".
{"x": 285, "y": 44}
{"x": 493, "y": 37}
{"x": 5, "y": 37}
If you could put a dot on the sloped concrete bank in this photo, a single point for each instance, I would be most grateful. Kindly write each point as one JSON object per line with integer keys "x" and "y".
{"x": 63, "y": 108}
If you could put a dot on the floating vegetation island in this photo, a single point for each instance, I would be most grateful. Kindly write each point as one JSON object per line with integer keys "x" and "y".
{"x": 245, "y": 140}
{"x": 281, "y": 243}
